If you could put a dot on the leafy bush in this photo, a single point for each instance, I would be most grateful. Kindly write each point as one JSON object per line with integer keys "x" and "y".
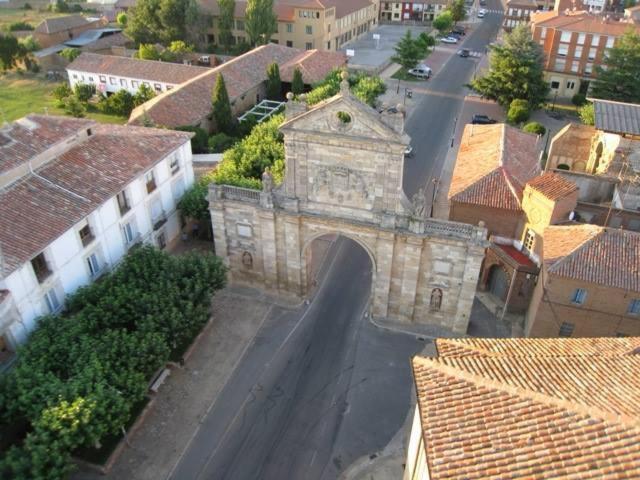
{"x": 587, "y": 114}
{"x": 220, "y": 142}
{"x": 29, "y": 43}
{"x": 79, "y": 376}
{"x": 534, "y": 127}
{"x": 363, "y": 86}
{"x": 120, "y": 103}
{"x": 518, "y": 111}
{"x": 143, "y": 95}
{"x": 194, "y": 203}
{"x": 244, "y": 164}
{"x": 20, "y": 26}
{"x": 199, "y": 142}
{"x": 74, "y": 107}
{"x": 60, "y": 92}
{"x": 70, "y": 53}
{"x": 84, "y": 91}
{"x": 121, "y": 19}
{"x": 148, "y": 52}
{"x": 579, "y": 99}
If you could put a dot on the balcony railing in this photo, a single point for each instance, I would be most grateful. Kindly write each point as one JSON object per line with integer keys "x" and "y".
{"x": 159, "y": 221}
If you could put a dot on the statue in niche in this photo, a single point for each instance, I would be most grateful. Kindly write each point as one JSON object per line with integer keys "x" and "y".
{"x": 419, "y": 204}
{"x": 247, "y": 260}
{"x": 267, "y": 181}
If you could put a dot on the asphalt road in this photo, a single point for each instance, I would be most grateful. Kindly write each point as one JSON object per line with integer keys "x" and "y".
{"x": 434, "y": 117}
{"x": 306, "y": 400}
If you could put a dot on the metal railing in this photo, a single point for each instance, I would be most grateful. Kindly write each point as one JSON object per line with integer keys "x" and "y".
{"x": 238, "y": 193}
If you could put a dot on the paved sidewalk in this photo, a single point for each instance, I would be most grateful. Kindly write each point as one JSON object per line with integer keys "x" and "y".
{"x": 189, "y": 392}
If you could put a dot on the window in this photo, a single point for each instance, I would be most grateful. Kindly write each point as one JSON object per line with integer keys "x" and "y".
{"x": 543, "y": 33}
{"x": 563, "y": 50}
{"x": 575, "y": 66}
{"x": 177, "y": 189}
{"x": 595, "y": 39}
{"x": 94, "y": 264}
{"x": 578, "y": 52}
{"x": 329, "y": 45}
{"x": 161, "y": 240}
{"x": 123, "y": 202}
{"x": 588, "y": 69}
{"x": 289, "y": 27}
{"x": 529, "y": 240}
{"x": 112, "y": 81}
{"x": 329, "y": 28}
{"x": 239, "y": 25}
{"x": 435, "y": 302}
{"x": 565, "y": 37}
{"x": 308, "y": 46}
{"x": 566, "y": 329}
{"x": 147, "y": 84}
{"x": 135, "y": 84}
{"x": 289, "y": 43}
{"x": 579, "y": 296}
{"x": 75, "y": 76}
{"x": 86, "y": 235}
{"x": 308, "y": 29}
{"x": 174, "y": 165}
{"x": 103, "y": 79}
{"x": 129, "y": 232}
{"x": 157, "y": 214}
{"x": 634, "y": 307}
{"x": 123, "y": 82}
{"x": 157, "y": 87}
{"x": 581, "y": 37}
{"x": 560, "y": 65}
{"x": 610, "y": 42}
{"x": 52, "y": 301}
{"x": 150, "y": 181}
{"x": 571, "y": 84}
{"x": 40, "y": 267}
{"x": 592, "y": 53}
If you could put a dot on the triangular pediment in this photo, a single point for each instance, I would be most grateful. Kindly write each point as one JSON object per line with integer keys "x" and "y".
{"x": 344, "y": 115}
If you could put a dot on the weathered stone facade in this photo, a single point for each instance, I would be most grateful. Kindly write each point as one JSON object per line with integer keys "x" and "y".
{"x": 344, "y": 176}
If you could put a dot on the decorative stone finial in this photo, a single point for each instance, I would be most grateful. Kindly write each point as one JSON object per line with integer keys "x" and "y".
{"x": 344, "y": 83}
{"x": 289, "y": 96}
{"x": 344, "y": 75}
{"x": 303, "y": 97}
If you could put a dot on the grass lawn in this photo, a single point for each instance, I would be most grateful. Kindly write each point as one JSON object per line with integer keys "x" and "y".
{"x": 402, "y": 74}
{"x": 21, "y": 95}
{"x": 34, "y": 17}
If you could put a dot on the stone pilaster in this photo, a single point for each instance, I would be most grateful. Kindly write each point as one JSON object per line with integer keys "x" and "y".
{"x": 267, "y": 221}
{"x": 293, "y": 254}
{"x": 410, "y": 272}
{"x": 384, "y": 260}
{"x": 216, "y": 209}
{"x": 473, "y": 262}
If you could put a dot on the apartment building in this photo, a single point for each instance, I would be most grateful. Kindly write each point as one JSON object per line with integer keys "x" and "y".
{"x": 306, "y": 24}
{"x": 110, "y": 73}
{"x": 518, "y": 12}
{"x": 575, "y": 43}
{"x": 75, "y": 195}
{"x": 413, "y": 11}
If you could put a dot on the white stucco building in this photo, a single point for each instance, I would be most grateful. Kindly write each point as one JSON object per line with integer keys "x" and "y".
{"x": 110, "y": 73}
{"x": 75, "y": 195}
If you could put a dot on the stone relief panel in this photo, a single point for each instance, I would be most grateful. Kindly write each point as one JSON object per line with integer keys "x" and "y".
{"x": 340, "y": 185}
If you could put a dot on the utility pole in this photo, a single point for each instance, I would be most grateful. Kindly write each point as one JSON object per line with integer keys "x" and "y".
{"x": 453, "y": 133}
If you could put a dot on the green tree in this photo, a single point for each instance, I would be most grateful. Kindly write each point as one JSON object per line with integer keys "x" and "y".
{"x": 220, "y": 142}
{"x": 618, "y": 78}
{"x": 297, "y": 83}
{"x": 84, "y": 91}
{"x": 173, "y": 15}
{"x": 143, "y": 22}
{"x": 148, "y": 51}
{"x": 176, "y": 51}
{"x": 368, "y": 89}
{"x": 120, "y": 103}
{"x": 587, "y": 114}
{"x": 274, "y": 85}
{"x": 443, "y": 22}
{"x": 143, "y": 95}
{"x": 121, "y": 19}
{"x": 29, "y": 43}
{"x": 260, "y": 21}
{"x": 458, "y": 11}
{"x": 534, "y": 127}
{"x": 408, "y": 51}
{"x": 515, "y": 71}
{"x": 74, "y": 107}
{"x": 70, "y": 53}
{"x": 199, "y": 140}
{"x": 10, "y": 51}
{"x": 60, "y": 92}
{"x": 197, "y": 22}
{"x": 222, "y": 107}
{"x": 518, "y": 111}
{"x": 194, "y": 203}
{"x": 20, "y": 26}
{"x": 425, "y": 42}
{"x": 225, "y": 22}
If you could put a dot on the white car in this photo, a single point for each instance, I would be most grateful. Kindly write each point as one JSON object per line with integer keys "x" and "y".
{"x": 421, "y": 71}
{"x": 481, "y": 13}
{"x": 449, "y": 40}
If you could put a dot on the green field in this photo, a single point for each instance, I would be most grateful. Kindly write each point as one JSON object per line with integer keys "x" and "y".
{"x": 21, "y": 95}
{"x": 34, "y": 17}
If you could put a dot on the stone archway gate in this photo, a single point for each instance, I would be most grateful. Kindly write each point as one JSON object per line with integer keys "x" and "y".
{"x": 344, "y": 167}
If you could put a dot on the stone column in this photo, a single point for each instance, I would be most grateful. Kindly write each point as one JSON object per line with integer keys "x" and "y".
{"x": 410, "y": 272}
{"x": 293, "y": 254}
{"x": 475, "y": 254}
{"x": 384, "y": 260}
{"x": 216, "y": 209}
{"x": 267, "y": 221}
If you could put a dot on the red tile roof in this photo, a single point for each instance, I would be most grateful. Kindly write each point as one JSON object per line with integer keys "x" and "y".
{"x": 314, "y": 65}
{"x": 494, "y": 162}
{"x": 553, "y": 186}
{"x": 530, "y": 417}
{"x": 516, "y": 254}
{"x": 284, "y": 9}
{"x": 60, "y": 24}
{"x": 151, "y": 70}
{"x": 190, "y": 102}
{"x": 581, "y": 22}
{"x": 28, "y": 137}
{"x": 37, "y": 209}
{"x": 594, "y": 254}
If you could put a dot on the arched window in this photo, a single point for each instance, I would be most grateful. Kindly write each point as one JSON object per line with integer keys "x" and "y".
{"x": 436, "y": 300}
{"x": 247, "y": 260}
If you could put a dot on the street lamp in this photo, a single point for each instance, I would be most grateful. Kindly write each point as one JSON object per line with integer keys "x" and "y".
{"x": 433, "y": 194}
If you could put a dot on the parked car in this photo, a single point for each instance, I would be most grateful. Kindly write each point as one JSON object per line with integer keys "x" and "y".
{"x": 481, "y": 13}
{"x": 483, "y": 2}
{"x": 464, "y": 52}
{"x": 458, "y": 29}
{"x": 420, "y": 72}
{"x": 408, "y": 151}
{"x": 454, "y": 35}
{"x": 482, "y": 120}
{"x": 449, "y": 40}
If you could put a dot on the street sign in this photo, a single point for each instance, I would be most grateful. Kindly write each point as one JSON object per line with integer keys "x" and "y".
{"x": 350, "y": 52}
{"x": 376, "y": 36}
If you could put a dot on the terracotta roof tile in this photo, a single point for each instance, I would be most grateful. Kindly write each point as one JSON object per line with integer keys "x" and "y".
{"x": 553, "y": 186}
{"x": 530, "y": 417}
{"x": 35, "y": 210}
{"x": 493, "y": 164}
{"x": 285, "y": 8}
{"x": 314, "y": 65}
{"x": 152, "y": 70}
{"x": 59, "y": 24}
{"x": 594, "y": 254}
{"x": 581, "y": 22}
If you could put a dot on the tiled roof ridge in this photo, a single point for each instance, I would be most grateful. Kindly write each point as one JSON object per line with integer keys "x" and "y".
{"x": 625, "y": 420}
{"x": 598, "y": 232}
{"x": 138, "y": 60}
{"x": 512, "y": 183}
